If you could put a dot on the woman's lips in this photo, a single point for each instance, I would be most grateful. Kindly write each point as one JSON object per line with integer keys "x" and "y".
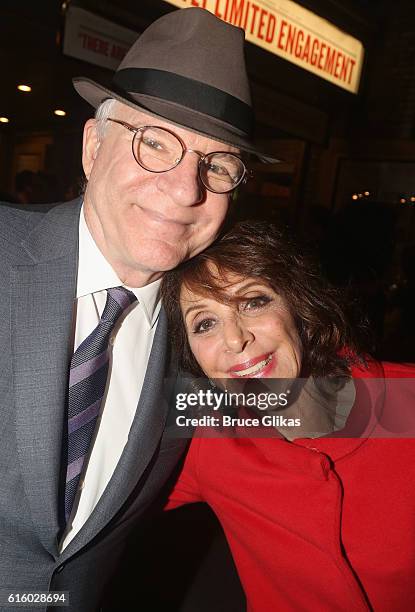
{"x": 253, "y": 368}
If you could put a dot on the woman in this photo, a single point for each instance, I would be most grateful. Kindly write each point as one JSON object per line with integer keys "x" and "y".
{"x": 314, "y": 523}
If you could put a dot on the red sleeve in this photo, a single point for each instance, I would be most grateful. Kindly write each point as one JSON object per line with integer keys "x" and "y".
{"x": 186, "y": 488}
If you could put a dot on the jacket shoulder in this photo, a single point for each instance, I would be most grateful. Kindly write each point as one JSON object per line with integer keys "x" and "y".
{"x": 14, "y": 227}
{"x": 16, "y": 220}
{"x": 384, "y": 369}
{"x": 16, "y": 223}
{"x": 399, "y": 370}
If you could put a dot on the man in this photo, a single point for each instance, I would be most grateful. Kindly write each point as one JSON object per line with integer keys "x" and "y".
{"x": 84, "y": 342}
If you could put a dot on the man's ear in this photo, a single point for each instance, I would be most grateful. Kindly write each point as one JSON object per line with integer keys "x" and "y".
{"x": 90, "y": 146}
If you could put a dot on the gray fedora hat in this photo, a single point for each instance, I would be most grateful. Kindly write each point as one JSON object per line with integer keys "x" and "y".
{"x": 188, "y": 68}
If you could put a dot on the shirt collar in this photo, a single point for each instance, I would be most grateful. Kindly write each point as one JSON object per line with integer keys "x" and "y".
{"x": 96, "y": 274}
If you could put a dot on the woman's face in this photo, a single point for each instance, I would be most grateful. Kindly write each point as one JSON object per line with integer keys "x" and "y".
{"x": 252, "y": 337}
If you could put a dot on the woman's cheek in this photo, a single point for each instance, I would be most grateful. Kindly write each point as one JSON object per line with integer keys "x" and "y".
{"x": 203, "y": 349}
{"x": 213, "y": 355}
{"x": 195, "y": 346}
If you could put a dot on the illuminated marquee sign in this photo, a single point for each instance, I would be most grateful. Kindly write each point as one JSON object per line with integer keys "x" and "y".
{"x": 292, "y": 32}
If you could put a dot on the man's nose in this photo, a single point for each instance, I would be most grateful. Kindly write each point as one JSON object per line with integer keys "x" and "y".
{"x": 182, "y": 184}
{"x": 237, "y": 336}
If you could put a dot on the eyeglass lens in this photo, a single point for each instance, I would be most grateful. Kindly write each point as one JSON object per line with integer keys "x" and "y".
{"x": 158, "y": 150}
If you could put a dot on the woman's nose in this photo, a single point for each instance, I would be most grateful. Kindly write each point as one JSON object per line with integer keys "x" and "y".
{"x": 236, "y": 335}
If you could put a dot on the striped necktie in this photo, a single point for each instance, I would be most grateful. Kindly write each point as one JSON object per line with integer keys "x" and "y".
{"x": 87, "y": 382}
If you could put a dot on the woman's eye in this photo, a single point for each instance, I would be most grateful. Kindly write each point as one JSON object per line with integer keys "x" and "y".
{"x": 256, "y": 302}
{"x": 203, "y": 326}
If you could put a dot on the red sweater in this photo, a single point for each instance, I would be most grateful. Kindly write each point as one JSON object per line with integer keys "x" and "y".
{"x": 322, "y": 524}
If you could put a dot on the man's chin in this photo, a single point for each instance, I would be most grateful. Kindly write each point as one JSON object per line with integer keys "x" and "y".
{"x": 159, "y": 263}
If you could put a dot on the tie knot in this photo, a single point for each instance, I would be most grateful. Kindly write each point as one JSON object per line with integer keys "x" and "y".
{"x": 118, "y": 300}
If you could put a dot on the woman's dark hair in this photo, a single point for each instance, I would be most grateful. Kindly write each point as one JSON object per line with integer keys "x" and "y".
{"x": 260, "y": 250}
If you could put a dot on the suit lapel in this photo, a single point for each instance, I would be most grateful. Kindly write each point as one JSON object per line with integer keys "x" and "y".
{"x": 42, "y": 294}
{"x": 144, "y": 437}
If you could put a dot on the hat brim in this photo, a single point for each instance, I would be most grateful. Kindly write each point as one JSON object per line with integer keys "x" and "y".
{"x": 95, "y": 94}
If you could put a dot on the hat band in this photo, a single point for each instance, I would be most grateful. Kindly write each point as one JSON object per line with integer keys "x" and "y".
{"x": 188, "y": 93}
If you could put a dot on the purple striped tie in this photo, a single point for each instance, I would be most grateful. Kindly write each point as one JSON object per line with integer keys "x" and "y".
{"x": 87, "y": 381}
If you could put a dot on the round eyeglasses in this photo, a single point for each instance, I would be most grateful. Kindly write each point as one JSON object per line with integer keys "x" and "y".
{"x": 157, "y": 149}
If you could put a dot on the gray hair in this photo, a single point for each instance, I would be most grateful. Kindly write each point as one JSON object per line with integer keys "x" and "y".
{"x": 104, "y": 110}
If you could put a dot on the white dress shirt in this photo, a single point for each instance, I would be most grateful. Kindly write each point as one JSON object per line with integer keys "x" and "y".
{"x": 130, "y": 346}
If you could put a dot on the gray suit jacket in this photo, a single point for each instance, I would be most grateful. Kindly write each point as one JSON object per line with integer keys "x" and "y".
{"x": 38, "y": 265}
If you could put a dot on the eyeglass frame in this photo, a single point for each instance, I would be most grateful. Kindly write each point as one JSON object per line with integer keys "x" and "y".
{"x": 247, "y": 174}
